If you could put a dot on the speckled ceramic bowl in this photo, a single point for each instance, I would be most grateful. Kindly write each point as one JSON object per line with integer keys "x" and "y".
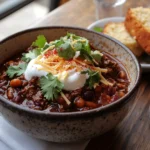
{"x": 74, "y": 126}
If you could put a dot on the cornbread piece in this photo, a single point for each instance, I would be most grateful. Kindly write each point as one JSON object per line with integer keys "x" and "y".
{"x": 118, "y": 31}
{"x": 137, "y": 23}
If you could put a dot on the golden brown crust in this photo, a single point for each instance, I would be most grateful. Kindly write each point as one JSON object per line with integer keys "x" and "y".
{"x": 118, "y": 31}
{"x": 137, "y": 30}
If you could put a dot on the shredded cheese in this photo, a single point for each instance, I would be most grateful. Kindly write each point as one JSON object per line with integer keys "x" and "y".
{"x": 65, "y": 98}
{"x": 55, "y": 64}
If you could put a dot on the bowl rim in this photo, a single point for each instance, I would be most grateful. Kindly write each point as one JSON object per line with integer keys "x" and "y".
{"x": 61, "y": 115}
{"x": 109, "y": 19}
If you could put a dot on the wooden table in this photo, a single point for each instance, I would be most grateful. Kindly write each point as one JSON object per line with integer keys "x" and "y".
{"x": 134, "y": 132}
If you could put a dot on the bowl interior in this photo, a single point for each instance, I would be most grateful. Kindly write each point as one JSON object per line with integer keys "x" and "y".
{"x": 17, "y": 43}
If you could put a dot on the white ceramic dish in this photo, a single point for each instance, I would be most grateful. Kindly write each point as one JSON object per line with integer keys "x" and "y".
{"x": 101, "y": 23}
{"x": 144, "y": 59}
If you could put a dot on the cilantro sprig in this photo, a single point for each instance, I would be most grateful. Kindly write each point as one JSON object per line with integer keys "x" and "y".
{"x": 40, "y": 41}
{"x": 16, "y": 70}
{"x": 67, "y": 46}
{"x": 94, "y": 78}
{"x": 51, "y": 86}
{"x": 31, "y": 54}
{"x": 65, "y": 50}
{"x": 40, "y": 45}
{"x": 97, "y": 55}
{"x": 82, "y": 44}
{"x": 98, "y": 29}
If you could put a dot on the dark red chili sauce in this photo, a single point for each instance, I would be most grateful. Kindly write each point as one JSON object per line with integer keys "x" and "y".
{"x": 28, "y": 93}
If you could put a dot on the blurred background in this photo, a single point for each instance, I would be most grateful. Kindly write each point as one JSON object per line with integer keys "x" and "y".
{"x": 16, "y": 15}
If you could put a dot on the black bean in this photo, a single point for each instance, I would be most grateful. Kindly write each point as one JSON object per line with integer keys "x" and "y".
{"x": 88, "y": 95}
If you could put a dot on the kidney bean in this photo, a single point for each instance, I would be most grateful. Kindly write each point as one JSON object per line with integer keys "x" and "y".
{"x": 79, "y": 102}
{"x": 109, "y": 70}
{"x": 90, "y": 104}
{"x": 38, "y": 96}
{"x": 30, "y": 104}
{"x": 24, "y": 83}
{"x": 10, "y": 93}
{"x": 61, "y": 109}
{"x": 37, "y": 108}
{"x": 3, "y": 76}
{"x": 84, "y": 109}
{"x": 113, "y": 64}
{"x": 121, "y": 86}
{"x": 30, "y": 92}
{"x": 2, "y": 91}
{"x": 33, "y": 80}
{"x": 4, "y": 87}
{"x": 112, "y": 81}
{"x": 15, "y": 83}
{"x": 122, "y": 74}
{"x": 53, "y": 108}
{"x": 122, "y": 80}
{"x": 121, "y": 93}
{"x": 105, "y": 99}
{"x": 10, "y": 63}
{"x": 88, "y": 95}
{"x": 18, "y": 99}
{"x": 21, "y": 77}
{"x": 115, "y": 97}
{"x": 98, "y": 89}
{"x": 111, "y": 90}
{"x": 2, "y": 83}
{"x": 61, "y": 100}
{"x": 75, "y": 93}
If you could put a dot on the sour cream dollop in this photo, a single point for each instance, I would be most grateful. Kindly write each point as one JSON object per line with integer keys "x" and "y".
{"x": 71, "y": 79}
{"x": 33, "y": 70}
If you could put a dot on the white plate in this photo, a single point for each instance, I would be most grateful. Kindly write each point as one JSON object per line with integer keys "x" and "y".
{"x": 144, "y": 59}
{"x": 101, "y": 23}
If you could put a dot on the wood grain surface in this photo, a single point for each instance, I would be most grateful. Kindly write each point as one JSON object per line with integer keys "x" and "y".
{"x": 134, "y": 132}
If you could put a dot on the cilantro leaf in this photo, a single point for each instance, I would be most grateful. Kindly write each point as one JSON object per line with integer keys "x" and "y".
{"x": 77, "y": 46}
{"x": 63, "y": 47}
{"x": 51, "y": 86}
{"x": 57, "y": 43}
{"x": 47, "y": 45}
{"x": 66, "y": 51}
{"x": 40, "y": 44}
{"x": 16, "y": 70}
{"x": 81, "y": 44}
{"x": 31, "y": 54}
{"x": 98, "y": 29}
{"x": 94, "y": 77}
{"x": 40, "y": 41}
{"x": 97, "y": 55}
